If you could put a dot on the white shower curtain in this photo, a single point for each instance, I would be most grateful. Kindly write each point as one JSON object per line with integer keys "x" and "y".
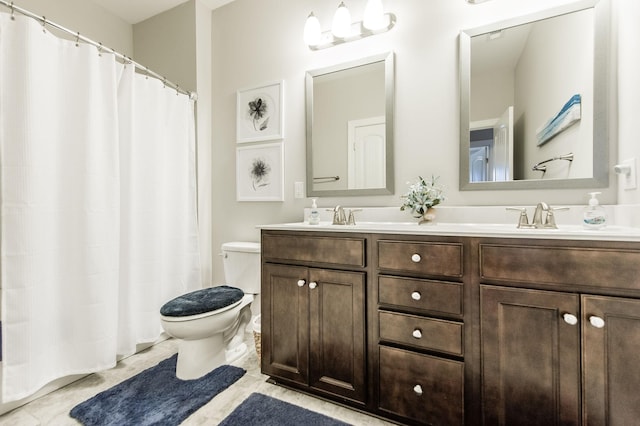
{"x": 98, "y": 222}
{"x": 159, "y": 249}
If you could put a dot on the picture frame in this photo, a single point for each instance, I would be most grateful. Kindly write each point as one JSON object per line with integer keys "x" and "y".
{"x": 259, "y": 113}
{"x": 260, "y": 172}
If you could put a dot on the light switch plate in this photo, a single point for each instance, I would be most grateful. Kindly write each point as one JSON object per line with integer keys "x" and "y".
{"x": 298, "y": 189}
{"x": 629, "y": 179}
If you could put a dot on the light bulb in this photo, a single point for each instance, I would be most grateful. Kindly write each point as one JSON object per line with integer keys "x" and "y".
{"x": 341, "y": 27}
{"x": 374, "y": 18}
{"x": 312, "y": 31}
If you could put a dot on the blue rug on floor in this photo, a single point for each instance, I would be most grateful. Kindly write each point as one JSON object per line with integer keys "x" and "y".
{"x": 154, "y": 397}
{"x": 262, "y": 410}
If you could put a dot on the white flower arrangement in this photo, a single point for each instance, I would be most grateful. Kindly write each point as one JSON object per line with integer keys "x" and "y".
{"x": 423, "y": 195}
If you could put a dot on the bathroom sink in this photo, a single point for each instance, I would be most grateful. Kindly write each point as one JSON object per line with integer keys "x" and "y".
{"x": 510, "y": 230}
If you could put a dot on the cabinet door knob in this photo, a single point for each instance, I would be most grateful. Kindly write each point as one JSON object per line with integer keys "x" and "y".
{"x": 597, "y": 322}
{"x": 416, "y": 295}
{"x": 570, "y": 319}
{"x": 313, "y": 284}
{"x": 417, "y": 389}
{"x": 301, "y": 283}
{"x": 415, "y": 258}
{"x": 417, "y": 334}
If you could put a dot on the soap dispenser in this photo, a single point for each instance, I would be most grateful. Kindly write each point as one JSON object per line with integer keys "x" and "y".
{"x": 594, "y": 216}
{"x": 314, "y": 215}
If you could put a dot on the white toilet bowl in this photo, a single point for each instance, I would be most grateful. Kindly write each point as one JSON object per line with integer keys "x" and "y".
{"x": 208, "y": 339}
{"x": 210, "y": 322}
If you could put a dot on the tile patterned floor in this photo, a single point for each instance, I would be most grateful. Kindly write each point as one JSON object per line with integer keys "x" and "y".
{"x": 53, "y": 409}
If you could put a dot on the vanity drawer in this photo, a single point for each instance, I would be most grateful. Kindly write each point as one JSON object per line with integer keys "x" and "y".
{"x": 428, "y": 258}
{"x": 420, "y": 332}
{"x": 425, "y": 295}
{"x": 314, "y": 249}
{"x": 423, "y": 388}
{"x": 575, "y": 266}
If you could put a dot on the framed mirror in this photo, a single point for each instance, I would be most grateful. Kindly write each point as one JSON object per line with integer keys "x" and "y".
{"x": 534, "y": 100}
{"x": 349, "y": 116}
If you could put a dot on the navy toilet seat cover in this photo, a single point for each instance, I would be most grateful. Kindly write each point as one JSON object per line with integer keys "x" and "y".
{"x": 202, "y": 301}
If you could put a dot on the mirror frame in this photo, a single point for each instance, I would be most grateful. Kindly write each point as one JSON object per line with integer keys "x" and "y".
{"x": 601, "y": 159}
{"x": 389, "y": 78}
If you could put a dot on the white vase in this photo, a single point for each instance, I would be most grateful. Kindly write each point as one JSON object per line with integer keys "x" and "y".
{"x": 429, "y": 217}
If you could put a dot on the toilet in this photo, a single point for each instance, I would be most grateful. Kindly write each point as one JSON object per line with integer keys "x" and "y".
{"x": 210, "y": 323}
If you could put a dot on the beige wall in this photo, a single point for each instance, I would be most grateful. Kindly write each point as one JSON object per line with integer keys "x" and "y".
{"x": 166, "y": 43}
{"x": 90, "y": 20}
{"x": 256, "y": 42}
{"x": 253, "y": 42}
{"x": 626, "y": 18}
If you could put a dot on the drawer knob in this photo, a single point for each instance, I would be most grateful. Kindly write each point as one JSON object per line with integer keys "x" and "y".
{"x": 415, "y": 258}
{"x": 301, "y": 283}
{"x": 570, "y": 319}
{"x": 418, "y": 390}
{"x": 597, "y": 322}
{"x": 416, "y": 295}
{"x": 313, "y": 284}
{"x": 417, "y": 333}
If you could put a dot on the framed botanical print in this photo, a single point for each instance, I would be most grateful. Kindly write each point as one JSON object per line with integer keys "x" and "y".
{"x": 259, "y": 113}
{"x": 260, "y": 172}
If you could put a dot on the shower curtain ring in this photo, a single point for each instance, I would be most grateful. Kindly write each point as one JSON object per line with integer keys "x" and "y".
{"x": 13, "y": 18}
{"x": 164, "y": 82}
{"x": 78, "y": 39}
{"x": 146, "y": 73}
{"x": 99, "y": 49}
{"x": 44, "y": 23}
{"x": 177, "y": 89}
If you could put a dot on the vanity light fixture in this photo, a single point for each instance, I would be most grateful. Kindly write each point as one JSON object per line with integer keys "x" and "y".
{"x": 476, "y": 1}
{"x": 341, "y": 26}
{"x": 375, "y": 21}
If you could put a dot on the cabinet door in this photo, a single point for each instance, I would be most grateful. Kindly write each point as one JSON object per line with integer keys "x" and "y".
{"x": 337, "y": 312}
{"x": 530, "y": 357}
{"x": 611, "y": 333}
{"x": 285, "y": 322}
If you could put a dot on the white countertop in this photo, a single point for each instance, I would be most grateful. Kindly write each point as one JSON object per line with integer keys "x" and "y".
{"x": 565, "y": 232}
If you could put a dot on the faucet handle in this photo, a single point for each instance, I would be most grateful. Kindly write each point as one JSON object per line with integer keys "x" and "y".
{"x": 523, "y": 220}
{"x": 352, "y": 218}
{"x": 550, "y": 220}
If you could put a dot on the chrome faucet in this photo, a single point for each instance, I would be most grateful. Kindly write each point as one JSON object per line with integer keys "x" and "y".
{"x": 549, "y": 221}
{"x": 537, "y": 215}
{"x": 339, "y": 218}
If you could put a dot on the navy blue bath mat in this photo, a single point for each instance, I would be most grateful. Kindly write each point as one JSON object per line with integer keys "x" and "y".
{"x": 262, "y": 410}
{"x": 154, "y": 397}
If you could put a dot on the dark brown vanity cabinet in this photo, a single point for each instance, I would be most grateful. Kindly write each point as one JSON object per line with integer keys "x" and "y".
{"x": 452, "y": 330}
{"x": 555, "y": 353}
{"x": 420, "y": 329}
{"x": 530, "y": 357}
{"x": 313, "y": 318}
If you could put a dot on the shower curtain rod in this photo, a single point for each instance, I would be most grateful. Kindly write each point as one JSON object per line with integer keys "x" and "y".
{"x": 79, "y": 37}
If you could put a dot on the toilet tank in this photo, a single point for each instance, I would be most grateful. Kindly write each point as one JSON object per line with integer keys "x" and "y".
{"x": 241, "y": 261}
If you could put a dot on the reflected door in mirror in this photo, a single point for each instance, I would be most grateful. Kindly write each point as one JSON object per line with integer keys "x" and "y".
{"x": 366, "y": 156}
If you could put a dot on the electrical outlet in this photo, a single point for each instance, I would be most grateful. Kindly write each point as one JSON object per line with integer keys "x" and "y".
{"x": 298, "y": 190}
{"x": 629, "y": 179}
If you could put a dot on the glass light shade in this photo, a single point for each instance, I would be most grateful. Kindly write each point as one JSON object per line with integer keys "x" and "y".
{"x": 341, "y": 22}
{"x": 312, "y": 31}
{"x": 374, "y": 18}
